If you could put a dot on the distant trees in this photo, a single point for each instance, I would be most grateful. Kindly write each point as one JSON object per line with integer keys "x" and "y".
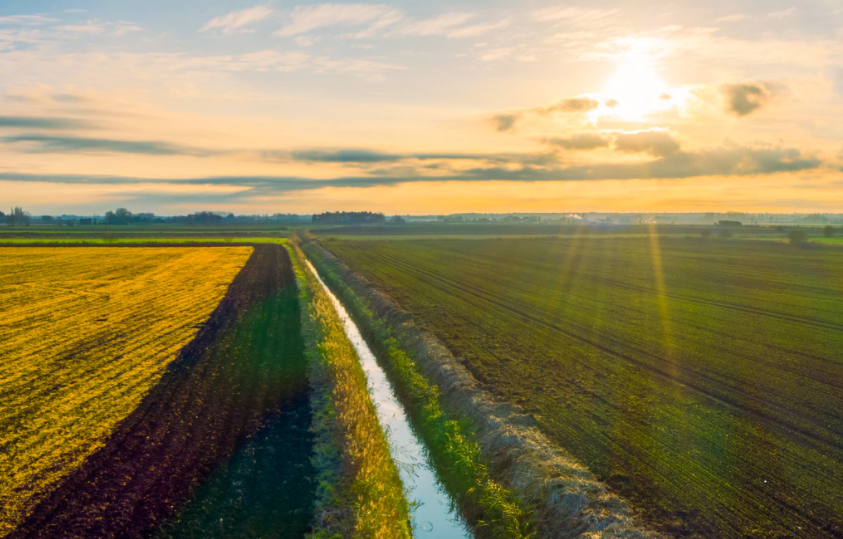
{"x": 798, "y": 236}
{"x": 348, "y": 218}
{"x": 200, "y": 218}
{"x": 397, "y": 220}
{"x": 18, "y": 217}
{"x": 728, "y": 223}
{"x": 828, "y": 231}
{"x": 121, "y": 216}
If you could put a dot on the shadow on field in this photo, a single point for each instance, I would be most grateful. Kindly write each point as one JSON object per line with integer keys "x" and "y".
{"x": 220, "y": 446}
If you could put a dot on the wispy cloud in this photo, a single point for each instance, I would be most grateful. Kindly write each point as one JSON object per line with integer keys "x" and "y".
{"x": 37, "y": 122}
{"x": 71, "y": 144}
{"x": 784, "y": 13}
{"x": 305, "y": 19}
{"x": 26, "y": 20}
{"x": 723, "y": 161}
{"x": 508, "y": 120}
{"x": 97, "y": 27}
{"x": 732, "y": 18}
{"x": 236, "y": 21}
{"x": 573, "y": 14}
{"x": 440, "y": 25}
{"x": 379, "y": 20}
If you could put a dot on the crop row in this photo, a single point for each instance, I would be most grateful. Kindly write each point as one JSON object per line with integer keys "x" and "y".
{"x": 702, "y": 381}
{"x": 84, "y": 334}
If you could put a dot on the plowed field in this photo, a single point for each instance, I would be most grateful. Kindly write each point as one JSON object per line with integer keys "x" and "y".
{"x": 703, "y": 380}
{"x": 85, "y": 333}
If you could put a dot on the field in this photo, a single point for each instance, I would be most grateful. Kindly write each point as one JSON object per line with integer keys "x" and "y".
{"x": 700, "y": 379}
{"x": 84, "y": 334}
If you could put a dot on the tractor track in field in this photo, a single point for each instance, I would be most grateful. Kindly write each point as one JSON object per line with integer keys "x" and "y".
{"x": 436, "y": 281}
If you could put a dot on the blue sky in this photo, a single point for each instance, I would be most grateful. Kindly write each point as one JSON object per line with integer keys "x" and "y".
{"x": 421, "y": 107}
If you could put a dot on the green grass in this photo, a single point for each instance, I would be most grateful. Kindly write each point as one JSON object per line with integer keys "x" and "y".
{"x": 702, "y": 380}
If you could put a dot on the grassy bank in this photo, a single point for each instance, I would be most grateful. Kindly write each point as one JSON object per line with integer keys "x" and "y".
{"x": 451, "y": 439}
{"x": 359, "y": 492}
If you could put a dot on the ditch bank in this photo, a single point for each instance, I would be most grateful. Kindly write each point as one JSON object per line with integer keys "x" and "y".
{"x": 434, "y": 510}
{"x": 554, "y": 495}
{"x": 359, "y": 491}
{"x": 198, "y": 449}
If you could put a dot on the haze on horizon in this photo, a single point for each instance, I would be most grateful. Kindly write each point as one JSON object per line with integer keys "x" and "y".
{"x": 433, "y": 107}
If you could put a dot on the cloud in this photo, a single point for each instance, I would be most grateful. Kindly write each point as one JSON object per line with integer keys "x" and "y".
{"x": 574, "y": 104}
{"x": 580, "y": 141}
{"x": 25, "y": 20}
{"x": 343, "y": 156}
{"x": 732, "y": 18}
{"x": 579, "y": 15}
{"x": 508, "y": 120}
{"x": 369, "y": 157}
{"x": 784, "y": 13}
{"x": 383, "y": 21}
{"x": 655, "y": 142}
{"x": 478, "y": 29}
{"x": 70, "y": 144}
{"x": 308, "y": 18}
{"x": 38, "y": 122}
{"x": 234, "y": 22}
{"x": 97, "y": 27}
{"x": 504, "y": 122}
{"x": 745, "y": 98}
{"x": 723, "y": 161}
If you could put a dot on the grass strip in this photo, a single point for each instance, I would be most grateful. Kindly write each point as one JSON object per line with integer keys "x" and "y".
{"x": 495, "y": 510}
{"x": 359, "y": 492}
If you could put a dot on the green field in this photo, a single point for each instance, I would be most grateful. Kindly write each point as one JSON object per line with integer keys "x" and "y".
{"x": 702, "y": 380}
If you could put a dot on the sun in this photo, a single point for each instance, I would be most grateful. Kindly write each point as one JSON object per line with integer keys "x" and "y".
{"x": 636, "y": 90}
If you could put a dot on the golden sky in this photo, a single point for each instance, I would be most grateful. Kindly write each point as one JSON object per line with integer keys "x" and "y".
{"x": 176, "y": 107}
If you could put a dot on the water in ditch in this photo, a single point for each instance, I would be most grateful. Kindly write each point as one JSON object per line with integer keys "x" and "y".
{"x": 434, "y": 516}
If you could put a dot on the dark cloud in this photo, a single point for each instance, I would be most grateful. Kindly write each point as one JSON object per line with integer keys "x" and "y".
{"x": 40, "y": 122}
{"x": 724, "y": 161}
{"x": 580, "y": 141}
{"x": 507, "y": 121}
{"x": 745, "y": 98}
{"x": 574, "y": 104}
{"x": 655, "y": 142}
{"x": 658, "y": 143}
{"x": 369, "y": 157}
{"x": 344, "y": 156}
{"x": 69, "y": 144}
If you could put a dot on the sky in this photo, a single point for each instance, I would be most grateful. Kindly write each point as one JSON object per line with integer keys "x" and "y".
{"x": 421, "y": 107}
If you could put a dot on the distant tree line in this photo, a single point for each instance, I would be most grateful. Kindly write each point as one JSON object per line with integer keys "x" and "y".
{"x": 348, "y": 218}
{"x": 201, "y": 218}
{"x": 122, "y": 216}
{"x": 16, "y": 216}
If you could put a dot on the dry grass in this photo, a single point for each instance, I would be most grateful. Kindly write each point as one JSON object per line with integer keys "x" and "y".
{"x": 84, "y": 334}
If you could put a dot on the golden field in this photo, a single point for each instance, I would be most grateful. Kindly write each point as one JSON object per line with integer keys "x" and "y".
{"x": 84, "y": 334}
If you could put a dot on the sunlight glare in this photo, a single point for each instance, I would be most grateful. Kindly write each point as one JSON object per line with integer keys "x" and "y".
{"x": 637, "y": 88}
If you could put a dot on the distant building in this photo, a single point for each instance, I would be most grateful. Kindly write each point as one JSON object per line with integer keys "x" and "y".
{"x": 87, "y": 221}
